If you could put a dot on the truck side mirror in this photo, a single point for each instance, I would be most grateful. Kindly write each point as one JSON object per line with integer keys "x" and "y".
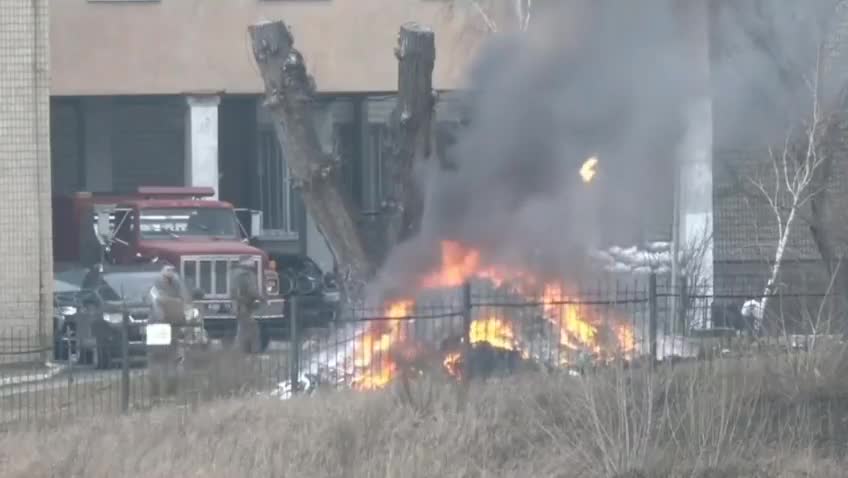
{"x": 104, "y": 229}
{"x": 255, "y": 223}
{"x": 250, "y": 221}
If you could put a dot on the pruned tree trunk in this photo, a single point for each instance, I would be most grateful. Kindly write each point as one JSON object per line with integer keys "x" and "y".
{"x": 288, "y": 96}
{"x": 412, "y": 129}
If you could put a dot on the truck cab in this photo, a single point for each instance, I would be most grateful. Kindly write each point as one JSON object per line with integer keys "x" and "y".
{"x": 182, "y": 226}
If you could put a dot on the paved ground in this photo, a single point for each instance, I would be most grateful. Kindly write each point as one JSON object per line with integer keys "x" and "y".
{"x": 59, "y": 375}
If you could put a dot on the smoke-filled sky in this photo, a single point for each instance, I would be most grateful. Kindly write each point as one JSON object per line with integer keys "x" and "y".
{"x": 608, "y": 78}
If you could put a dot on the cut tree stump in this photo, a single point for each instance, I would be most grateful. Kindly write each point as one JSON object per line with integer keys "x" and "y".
{"x": 289, "y": 92}
{"x": 412, "y": 129}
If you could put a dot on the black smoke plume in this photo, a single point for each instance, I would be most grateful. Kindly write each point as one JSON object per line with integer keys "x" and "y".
{"x": 613, "y": 79}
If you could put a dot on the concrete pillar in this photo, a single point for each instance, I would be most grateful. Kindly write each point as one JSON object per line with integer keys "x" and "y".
{"x": 97, "y": 125}
{"x": 202, "y": 141}
{"x": 695, "y": 158}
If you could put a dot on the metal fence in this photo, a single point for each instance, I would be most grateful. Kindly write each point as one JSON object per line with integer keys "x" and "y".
{"x": 468, "y": 331}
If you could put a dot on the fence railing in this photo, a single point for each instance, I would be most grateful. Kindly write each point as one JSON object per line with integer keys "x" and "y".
{"x": 473, "y": 330}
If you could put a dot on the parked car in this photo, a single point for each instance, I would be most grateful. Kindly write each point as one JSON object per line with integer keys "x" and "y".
{"x": 105, "y": 297}
{"x": 317, "y": 293}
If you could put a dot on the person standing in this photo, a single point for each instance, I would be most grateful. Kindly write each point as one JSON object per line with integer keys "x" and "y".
{"x": 246, "y": 297}
{"x": 170, "y": 298}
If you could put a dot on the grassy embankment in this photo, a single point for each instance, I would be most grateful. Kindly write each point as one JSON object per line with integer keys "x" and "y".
{"x": 778, "y": 416}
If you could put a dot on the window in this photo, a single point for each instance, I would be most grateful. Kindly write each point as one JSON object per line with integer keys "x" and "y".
{"x": 278, "y": 200}
{"x": 346, "y": 149}
{"x": 378, "y": 136}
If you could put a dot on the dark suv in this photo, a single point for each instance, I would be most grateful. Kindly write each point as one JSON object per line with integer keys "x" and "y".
{"x": 318, "y": 296}
{"x": 105, "y": 297}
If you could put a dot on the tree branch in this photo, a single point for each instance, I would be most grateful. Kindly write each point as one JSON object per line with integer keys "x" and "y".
{"x": 288, "y": 97}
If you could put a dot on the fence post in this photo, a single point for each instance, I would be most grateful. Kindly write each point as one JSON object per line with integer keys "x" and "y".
{"x": 125, "y": 361}
{"x": 652, "y": 317}
{"x": 466, "y": 330}
{"x": 683, "y": 305}
{"x": 294, "y": 345}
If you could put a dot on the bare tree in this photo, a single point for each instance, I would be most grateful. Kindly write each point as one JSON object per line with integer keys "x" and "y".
{"x": 289, "y": 91}
{"x": 288, "y": 95}
{"x": 412, "y": 128}
{"x": 691, "y": 266}
{"x": 792, "y": 183}
{"x": 497, "y": 16}
{"x": 785, "y": 38}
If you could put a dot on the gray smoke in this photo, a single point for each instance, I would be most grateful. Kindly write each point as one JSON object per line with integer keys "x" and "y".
{"x": 608, "y": 78}
{"x": 764, "y": 55}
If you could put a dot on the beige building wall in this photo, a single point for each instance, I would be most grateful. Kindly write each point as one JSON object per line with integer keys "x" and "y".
{"x": 25, "y": 235}
{"x": 185, "y": 46}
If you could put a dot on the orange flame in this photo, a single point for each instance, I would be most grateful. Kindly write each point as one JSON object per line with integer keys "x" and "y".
{"x": 452, "y": 363}
{"x": 579, "y": 327}
{"x": 457, "y": 266}
{"x": 496, "y": 331}
{"x": 372, "y": 361}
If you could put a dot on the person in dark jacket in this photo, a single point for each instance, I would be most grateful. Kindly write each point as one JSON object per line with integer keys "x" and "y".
{"x": 246, "y": 297}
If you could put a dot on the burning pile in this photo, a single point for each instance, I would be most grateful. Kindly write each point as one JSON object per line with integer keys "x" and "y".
{"x": 546, "y": 324}
{"x": 559, "y": 328}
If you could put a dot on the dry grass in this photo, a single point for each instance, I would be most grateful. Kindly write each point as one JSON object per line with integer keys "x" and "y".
{"x": 768, "y": 417}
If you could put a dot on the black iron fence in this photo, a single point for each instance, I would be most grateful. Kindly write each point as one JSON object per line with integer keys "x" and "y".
{"x": 468, "y": 331}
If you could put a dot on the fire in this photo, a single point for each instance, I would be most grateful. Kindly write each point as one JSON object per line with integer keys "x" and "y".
{"x": 579, "y": 329}
{"x": 587, "y": 171}
{"x": 458, "y": 264}
{"x": 497, "y": 332}
{"x": 577, "y": 326}
{"x": 452, "y": 363}
{"x": 372, "y": 360}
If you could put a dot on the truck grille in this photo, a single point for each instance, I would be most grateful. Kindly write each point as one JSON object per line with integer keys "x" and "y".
{"x": 211, "y": 274}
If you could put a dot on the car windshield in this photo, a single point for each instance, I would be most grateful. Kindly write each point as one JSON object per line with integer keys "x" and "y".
{"x": 173, "y": 223}
{"x": 132, "y": 286}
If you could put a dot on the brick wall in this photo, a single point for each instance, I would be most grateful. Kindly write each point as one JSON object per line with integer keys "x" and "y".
{"x": 745, "y": 226}
{"x": 25, "y": 235}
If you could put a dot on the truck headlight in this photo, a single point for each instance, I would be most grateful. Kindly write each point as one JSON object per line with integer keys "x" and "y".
{"x": 272, "y": 284}
{"x": 192, "y": 313}
{"x": 113, "y": 317}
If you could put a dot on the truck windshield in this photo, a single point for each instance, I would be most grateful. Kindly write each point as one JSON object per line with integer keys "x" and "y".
{"x": 173, "y": 223}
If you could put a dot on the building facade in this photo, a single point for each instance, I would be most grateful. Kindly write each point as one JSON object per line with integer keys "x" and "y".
{"x": 175, "y": 98}
{"x": 166, "y": 92}
{"x": 746, "y": 229}
{"x": 25, "y": 237}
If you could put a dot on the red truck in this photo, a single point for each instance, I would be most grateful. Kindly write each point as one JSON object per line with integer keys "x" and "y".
{"x": 180, "y": 226}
